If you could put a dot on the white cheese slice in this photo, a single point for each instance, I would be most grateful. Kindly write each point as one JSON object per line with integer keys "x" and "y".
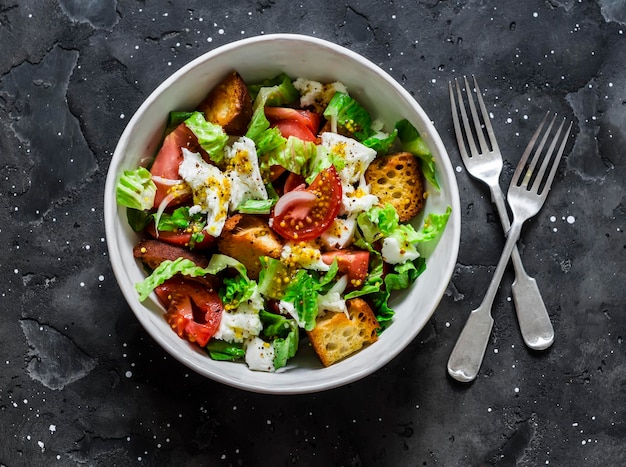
{"x": 242, "y": 169}
{"x": 210, "y": 188}
{"x": 260, "y": 355}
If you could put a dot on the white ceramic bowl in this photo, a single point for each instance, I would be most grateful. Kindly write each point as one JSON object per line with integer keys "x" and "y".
{"x": 256, "y": 59}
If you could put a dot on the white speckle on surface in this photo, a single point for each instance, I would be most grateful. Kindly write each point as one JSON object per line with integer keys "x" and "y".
{"x": 52, "y": 428}
{"x": 571, "y": 219}
{"x": 552, "y": 218}
{"x": 459, "y": 168}
{"x": 535, "y": 14}
{"x": 128, "y": 374}
{"x": 516, "y": 390}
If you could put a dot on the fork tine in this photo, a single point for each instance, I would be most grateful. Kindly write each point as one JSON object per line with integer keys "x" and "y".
{"x": 486, "y": 118}
{"x": 517, "y": 179}
{"x": 535, "y": 186}
{"x": 477, "y": 126}
{"x": 466, "y": 125}
{"x": 530, "y": 168}
{"x": 557, "y": 159}
{"x": 457, "y": 124}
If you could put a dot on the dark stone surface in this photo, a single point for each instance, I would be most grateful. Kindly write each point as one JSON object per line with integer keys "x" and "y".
{"x": 81, "y": 383}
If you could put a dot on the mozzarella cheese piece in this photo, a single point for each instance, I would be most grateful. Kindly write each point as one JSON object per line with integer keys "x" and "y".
{"x": 357, "y": 158}
{"x": 260, "y": 355}
{"x": 303, "y": 254}
{"x": 340, "y": 233}
{"x": 237, "y": 326}
{"x": 317, "y": 95}
{"x": 394, "y": 252}
{"x": 289, "y": 308}
{"x": 359, "y": 200}
{"x": 332, "y": 301}
{"x": 242, "y": 169}
{"x": 210, "y": 188}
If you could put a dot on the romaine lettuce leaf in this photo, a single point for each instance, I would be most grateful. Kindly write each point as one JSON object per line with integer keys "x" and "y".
{"x": 225, "y": 351}
{"x": 293, "y": 155}
{"x": 211, "y": 137}
{"x": 284, "y": 335}
{"x": 274, "y": 92}
{"x": 168, "y": 269}
{"x": 347, "y": 113}
{"x": 135, "y": 189}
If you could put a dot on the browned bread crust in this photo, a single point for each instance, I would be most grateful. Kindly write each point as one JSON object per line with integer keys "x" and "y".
{"x": 397, "y": 179}
{"x": 229, "y": 105}
{"x": 335, "y": 336}
{"x": 246, "y": 238}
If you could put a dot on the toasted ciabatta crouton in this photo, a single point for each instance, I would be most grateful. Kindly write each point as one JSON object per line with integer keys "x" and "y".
{"x": 397, "y": 179}
{"x": 246, "y": 238}
{"x": 336, "y": 337}
{"x": 229, "y": 105}
{"x": 154, "y": 252}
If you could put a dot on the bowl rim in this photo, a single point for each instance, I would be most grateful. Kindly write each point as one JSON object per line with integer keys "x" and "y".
{"x": 110, "y": 215}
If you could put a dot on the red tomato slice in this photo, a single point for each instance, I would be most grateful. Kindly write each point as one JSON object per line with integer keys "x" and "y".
{"x": 307, "y": 118}
{"x": 309, "y": 217}
{"x": 295, "y": 128}
{"x": 169, "y": 158}
{"x": 354, "y": 263}
{"x": 293, "y": 181}
{"x": 194, "y": 311}
{"x": 180, "y": 238}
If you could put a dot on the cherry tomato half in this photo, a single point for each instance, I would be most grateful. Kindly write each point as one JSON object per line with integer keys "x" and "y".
{"x": 194, "y": 311}
{"x": 169, "y": 157}
{"x": 354, "y": 263}
{"x": 305, "y": 117}
{"x": 306, "y": 214}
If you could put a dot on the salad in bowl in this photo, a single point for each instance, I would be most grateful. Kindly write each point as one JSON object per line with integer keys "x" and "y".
{"x": 277, "y": 211}
{"x": 281, "y": 204}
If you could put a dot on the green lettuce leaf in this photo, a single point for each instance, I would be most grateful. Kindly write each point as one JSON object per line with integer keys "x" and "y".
{"x": 284, "y": 335}
{"x": 381, "y": 142}
{"x": 274, "y": 92}
{"x": 135, "y": 189}
{"x": 349, "y": 115}
{"x": 211, "y": 137}
{"x": 168, "y": 269}
{"x": 293, "y": 155}
{"x": 256, "y": 206}
{"x": 225, "y": 351}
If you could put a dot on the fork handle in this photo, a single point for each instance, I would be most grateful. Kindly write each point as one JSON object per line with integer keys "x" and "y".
{"x": 532, "y": 315}
{"x": 469, "y": 350}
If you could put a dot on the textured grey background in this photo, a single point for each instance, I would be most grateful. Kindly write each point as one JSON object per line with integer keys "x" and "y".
{"x": 81, "y": 383}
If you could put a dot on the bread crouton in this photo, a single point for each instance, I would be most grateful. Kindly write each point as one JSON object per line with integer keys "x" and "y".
{"x": 246, "y": 238}
{"x": 229, "y": 105}
{"x": 154, "y": 252}
{"x": 336, "y": 337}
{"x": 397, "y": 179}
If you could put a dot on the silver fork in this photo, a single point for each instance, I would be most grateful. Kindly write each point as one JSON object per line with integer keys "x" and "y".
{"x": 485, "y": 164}
{"x": 528, "y": 190}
